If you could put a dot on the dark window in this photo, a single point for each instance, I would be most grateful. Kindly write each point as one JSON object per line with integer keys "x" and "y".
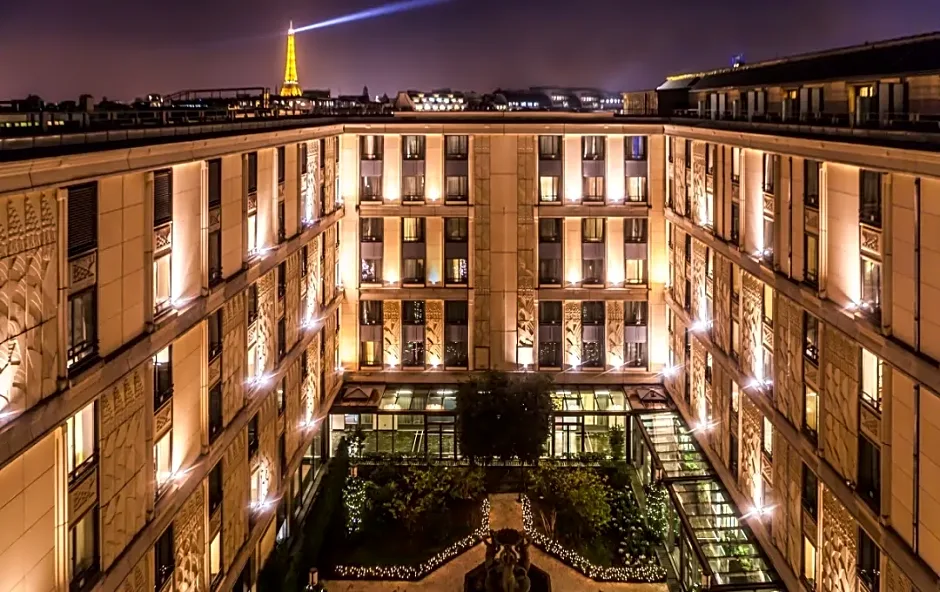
{"x": 634, "y": 230}
{"x": 215, "y": 334}
{"x": 634, "y": 148}
{"x": 811, "y": 183}
{"x": 281, "y": 164}
{"x": 252, "y": 303}
{"x": 456, "y": 251}
{"x": 768, "y": 172}
{"x": 302, "y": 155}
{"x": 281, "y": 279}
{"x": 413, "y": 321}
{"x": 370, "y": 147}
{"x": 455, "y": 229}
{"x": 549, "y": 147}
{"x": 281, "y": 222}
{"x": 215, "y": 488}
{"x": 688, "y": 154}
{"x": 550, "y": 247}
{"x": 593, "y": 250}
{"x": 252, "y": 172}
{"x": 592, "y": 334}
{"x": 370, "y": 312}
{"x": 281, "y": 338}
{"x": 83, "y": 327}
{"x": 811, "y": 337}
{"x": 303, "y": 261}
{"x": 412, "y": 147}
{"x": 735, "y": 223}
{"x": 254, "y": 436}
{"x": 215, "y": 257}
{"x": 635, "y": 312}
{"x": 162, "y": 377}
{"x": 164, "y": 559}
{"x": 413, "y": 251}
{"x": 811, "y": 259}
{"x": 215, "y": 183}
{"x": 810, "y": 497}
{"x": 869, "y": 198}
{"x": 869, "y": 473}
{"x": 593, "y": 147}
{"x": 82, "y": 218}
{"x": 83, "y": 551}
{"x": 371, "y": 336}
{"x": 455, "y": 334}
{"x": 371, "y": 230}
{"x": 215, "y": 411}
{"x": 162, "y": 197}
{"x": 456, "y": 147}
{"x": 733, "y": 455}
{"x": 550, "y": 334}
{"x": 869, "y": 562}
{"x": 710, "y": 159}
{"x": 304, "y": 366}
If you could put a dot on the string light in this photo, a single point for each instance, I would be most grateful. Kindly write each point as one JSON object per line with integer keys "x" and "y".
{"x": 417, "y": 572}
{"x": 650, "y": 572}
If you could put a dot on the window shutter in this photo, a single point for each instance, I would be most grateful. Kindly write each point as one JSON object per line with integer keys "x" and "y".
{"x": 162, "y": 197}
{"x": 83, "y": 218}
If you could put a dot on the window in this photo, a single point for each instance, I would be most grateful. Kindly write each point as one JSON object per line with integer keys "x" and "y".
{"x": 872, "y": 377}
{"x": 413, "y": 251}
{"x": 412, "y": 147}
{"x": 281, "y": 164}
{"x": 281, "y": 222}
{"x": 215, "y": 182}
{"x": 252, "y": 303}
{"x": 811, "y": 183}
{"x": 735, "y": 398}
{"x": 455, "y": 334}
{"x": 550, "y": 334}
{"x": 163, "y": 460}
{"x": 281, "y": 279}
{"x": 636, "y": 189}
{"x": 869, "y": 198}
{"x": 215, "y": 334}
{"x": 593, "y": 188}
{"x": 370, "y": 147}
{"x": 303, "y": 261}
{"x": 257, "y": 487}
{"x": 83, "y": 550}
{"x": 809, "y": 563}
{"x": 768, "y": 305}
{"x": 634, "y": 148}
{"x": 769, "y": 240}
{"x": 811, "y": 258}
{"x": 635, "y": 334}
{"x": 281, "y": 390}
{"x": 252, "y": 232}
{"x": 215, "y": 560}
{"x": 593, "y": 250}
{"x": 709, "y": 263}
{"x": 869, "y": 473}
{"x": 164, "y": 559}
{"x": 592, "y": 147}
{"x": 871, "y": 287}
{"x": 252, "y": 159}
{"x": 370, "y": 333}
{"x": 810, "y": 411}
{"x": 162, "y": 377}
{"x": 412, "y": 230}
{"x": 688, "y": 154}
{"x": 162, "y": 290}
{"x": 549, "y": 188}
{"x": 708, "y": 367}
{"x": 769, "y": 160}
{"x": 456, "y": 147}
{"x": 456, "y": 251}
{"x": 82, "y": 441}
{"x": 215, "y": 411}
{"x": 810, "y": 499}
{"x": 634, "y": 230}
{"x": 215, "y": 256}
{"x": 710, "y": 150}
{"x": 254, "y": 436}
{"x": 549, "y": 147}
{"x": 735, "y": 339}
{"x": 592, "y": 335}
{"x": 592, "y": 230}
{"x": 413, "y": 321}
{"x": 83, "y": 326}
{"x": 735, "y": 223}
{"x": 370, "y": 187}
{"x": 733, "y": 454}
{"x": 767, "y": 438}
{"x": 412, "y": 187}
{"x": 811, "y": 337}
{"x": 82, "y": 219}
{"x": 215, "y": 488}
{"x": 371, "y": 249}
{"x": 457, "y": 188}
{"x": 869, "y": 562}
{"x": 302, "y": 157}
{"x": 735, "y": 164}
{"x": 550, "y": 250}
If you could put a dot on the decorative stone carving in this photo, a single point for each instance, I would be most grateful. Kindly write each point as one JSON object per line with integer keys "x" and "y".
{"x": 265, "y": 346}
{"x": 391, "y": 330}
{"x": 434, "y": 331}
{"x": 163, "y": 237}
{"x": 769, "y": 204}
{"x": 267, "y": 442}
{"x": 573, "y": 332}
{"x": 767, "y": 336}
{"x": 679, "y": 268}
{"x": 698, "y": 380}
{"x": 215, "y": 219}
{"x": 699, "y": 309}
{"x": 316, "y": 368}
{"x": 309, "y": 184}
{"x": 329, "y": 169}
{"x": 788, "y": 359}
{"x": 811, "y": 220}
{"x": 123, "y": 471}
{"x": 675, "y": 382}
{"x": 614, "y": 315}
{"x": 894, "y": 578}
{"x": 481, "y": 250}
{"x": 82, "y": 496}
{"x": 329, "y": 263}
{"x": 314, "y": 296}
{"x": 839, "y": 550}
{"x": 234, "y": 355}
{"x": 293, "y": 412}
{"x": 162, "y": 420}
{"x": 235, "y": 497}
{"x": 292, "y": 301}
{"x": 140, "y": 578}
{"x": 750, "y": 449}
{"x": 190, "y": 543}
{"x": 751, "y": 324}
{"x": 679, "y": 195}
{"x": 698, "y": 182}
{"x": 870, "y": 423}
{"x": 786, "y": 519}
{"x": 721, "y": 327}
{"x": 526, "y": 195}
{"x": 870, "y": 240}
{"x": 840, "y": 402}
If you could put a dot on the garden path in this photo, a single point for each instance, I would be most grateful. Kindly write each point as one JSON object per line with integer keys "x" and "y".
{"x": 505, "y": 512}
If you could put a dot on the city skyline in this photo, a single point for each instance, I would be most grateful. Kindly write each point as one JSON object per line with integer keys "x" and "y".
{"x": 430, "y": 47}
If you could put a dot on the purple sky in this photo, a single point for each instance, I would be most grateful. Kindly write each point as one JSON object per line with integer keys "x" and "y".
{"x": 61, "y": 48}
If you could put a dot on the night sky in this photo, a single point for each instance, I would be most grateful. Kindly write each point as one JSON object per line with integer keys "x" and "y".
{"x": 119, "y": 49}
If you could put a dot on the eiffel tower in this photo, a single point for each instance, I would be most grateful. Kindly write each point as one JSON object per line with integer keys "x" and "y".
{"x": 291, "y": 88}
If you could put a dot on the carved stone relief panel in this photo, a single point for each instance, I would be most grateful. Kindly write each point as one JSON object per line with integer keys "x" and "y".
{"x": 750, "y": 449}
{"x": 313, "y": 381}
{"x": 698, "y": 380}
{"x": 267, "y": 442}
{"x": 314, "y": 297}
{"x": 83, "y": 496}
{"x": 329, "y": 356}
{"x": 190, "y": 543}
{"x": 615, "y": 332}
{"x": 329, "y": 263}
{"x": 235, "y": 497}
{"x": 140, "y": 579}
{"x": 678, "y": 197}
{"x": 698, "y": 182}
{"x": 391, "y": 317}
{"x": 292, "y": 300}
{"x": 481, "y": 248}
{"x": 293, "y": 412}
{"x": 573, "y": 332}
{"x": 839, "y": 550}
{"x": 234, "y": 355}
{"x": 675, "y": 382}
{"x": 265, "y": 343}
{"x": 751, "y": 323}
{"x": 526, "y": 241}
{"x": 894, "y": 578}
{"x": 329, "y": 184}
{"x": 721, "y": 327}
{"x": 870, "y": 241}
{"x": 840, "y": 402}
{"x": 786, "y": 519}
{"x": 870, "y": 423}
{"x": 123, "y": 474}
{"x": 699, "y": 310}
{"x": 811, "y": 220}
{"x": 788, "y": 359}
{"x": 434, "y": 331}
{"x": 28, "y": 296}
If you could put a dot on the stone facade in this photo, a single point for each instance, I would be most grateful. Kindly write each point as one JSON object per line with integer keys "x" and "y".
{"x": 125, "y": 481}
{"x": 788, "y": 511}
{"x": 391, "y": 319}
{"x": 141, "y": 577}
{"x": 788, "y": 359}
{"x": 235, "y": 497}
{"x": 526, "y": 242}
{"x": 292, "y": 310}
{"x": 434, "y": 331}
{"x": 750, "y": 449}
{"x": 614, "y": 317}
{"x": 572, "y": 321}
{"x": 698, "y": 405}
{"x": 840, "y": 402}
{"x": 698, "y": 182}
{"x": 721, "y": 326}
{"x": 839, "y": 550}
{"x": 266, "y": 325}
{"x": 189, "y": 534}
{"x": 480, "y": 334}
{"x": 234, "y": 354}
{"x": 752, "y": 291}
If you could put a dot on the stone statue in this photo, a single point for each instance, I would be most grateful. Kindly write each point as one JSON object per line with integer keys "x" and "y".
{"x": 507, "y": 561}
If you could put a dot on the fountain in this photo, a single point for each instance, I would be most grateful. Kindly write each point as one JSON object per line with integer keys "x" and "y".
{"x": 506, "y": 567}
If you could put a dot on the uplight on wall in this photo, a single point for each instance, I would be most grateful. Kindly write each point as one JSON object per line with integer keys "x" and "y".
{"x": 525, "y": 355}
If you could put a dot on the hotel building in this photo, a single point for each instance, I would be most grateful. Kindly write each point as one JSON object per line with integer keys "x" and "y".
{"x": 735, "y": 276}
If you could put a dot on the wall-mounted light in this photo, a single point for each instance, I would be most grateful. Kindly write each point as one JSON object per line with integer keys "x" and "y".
{"x": 670, "y": 371}
{"x": 700, "y": 326}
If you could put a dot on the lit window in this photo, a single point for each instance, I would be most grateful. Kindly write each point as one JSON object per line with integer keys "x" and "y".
{"x": 872, "y": 371}
{"x": 548, "y": 189}
{"x": 81, "y": 439}
{"x": 811, "y": 411}
{"x": 215, "y": 557}
{"x": 809, "y": 563}
{"x": 252, "y": 361}
{"x": 161, "y": 283}
{"x": 768, "y": 305}
{"x": 252, "y": 234}
{"x": 257, "y": 491}
{"x": 163, "y": 459}
{"x": 767, "y": 438}
{"x": 735, "y": 397}
{"x": 636, "y": 189}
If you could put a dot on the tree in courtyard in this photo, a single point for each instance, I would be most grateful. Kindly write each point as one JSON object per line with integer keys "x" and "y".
{"x": 504, "y": 417}
{"x": 570, "y": 500}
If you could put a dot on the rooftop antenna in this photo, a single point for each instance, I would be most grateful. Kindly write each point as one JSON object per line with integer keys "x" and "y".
{"x": 737, "y": 60}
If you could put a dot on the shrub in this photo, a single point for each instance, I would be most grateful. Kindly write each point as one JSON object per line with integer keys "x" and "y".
{"x": 574, "y": 499}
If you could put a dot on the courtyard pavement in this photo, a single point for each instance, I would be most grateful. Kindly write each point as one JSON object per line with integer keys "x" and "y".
{"x": 505, "y": 512}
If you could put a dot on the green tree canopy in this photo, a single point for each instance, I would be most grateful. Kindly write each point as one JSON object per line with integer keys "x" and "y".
{"x": 502, "y": 416}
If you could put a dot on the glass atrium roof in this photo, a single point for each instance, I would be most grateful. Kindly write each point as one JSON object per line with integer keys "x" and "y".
{"x": 675, "y": 447}
{"x": 419, "y": 398}
{"x": 590, "y": 398}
